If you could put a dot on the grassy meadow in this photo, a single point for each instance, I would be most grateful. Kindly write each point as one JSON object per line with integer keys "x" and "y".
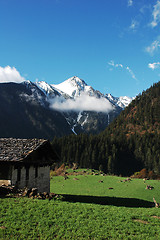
{"x": 93, "y": 207}
{"x": 91, "y": 185}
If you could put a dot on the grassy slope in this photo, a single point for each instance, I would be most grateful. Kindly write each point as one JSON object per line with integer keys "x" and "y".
{"x": 89, "y": 185}
{"x": 24, "y": 218}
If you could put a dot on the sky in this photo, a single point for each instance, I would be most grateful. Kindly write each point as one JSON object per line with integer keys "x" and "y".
{"x": 113, "y": 45}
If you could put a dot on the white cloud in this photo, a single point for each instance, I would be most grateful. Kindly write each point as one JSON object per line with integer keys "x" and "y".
{"x": 134, "y": 25}
{"x": 82, "y": 103}
{"x": 153, "y": 47}
{"x": 131, "y": 72}
{"x": 10, "y": 74}
{"x": 156, "y": 14}
{"x": 111, "y": 63}
{"x": 130, "y": 3}
{"x": 153, "y": 66}
{"x": 119, "y": 65}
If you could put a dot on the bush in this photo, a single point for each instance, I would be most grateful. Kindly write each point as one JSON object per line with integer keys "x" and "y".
{"x": 58, "y": 171}
{"x": 145, "y": 174}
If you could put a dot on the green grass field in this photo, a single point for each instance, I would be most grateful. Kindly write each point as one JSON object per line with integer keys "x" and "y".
{"x": 90, "y": 185}
{"x": 90, "y": 210}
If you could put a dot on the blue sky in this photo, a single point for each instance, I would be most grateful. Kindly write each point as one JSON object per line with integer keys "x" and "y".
{"x": 114, "y": 45}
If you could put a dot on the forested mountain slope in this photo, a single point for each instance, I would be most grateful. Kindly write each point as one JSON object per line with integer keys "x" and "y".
{"x": 130, "y": 143}
{"x": 24, "y": 113}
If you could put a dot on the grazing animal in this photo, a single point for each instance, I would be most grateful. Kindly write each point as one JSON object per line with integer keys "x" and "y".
{"x": 149, "y": 187}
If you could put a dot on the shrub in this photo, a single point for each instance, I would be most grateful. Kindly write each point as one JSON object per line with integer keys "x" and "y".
{"x": 143, "y": 173}
{"x": 151, "y": 175}
{"x": 58, "y": 171}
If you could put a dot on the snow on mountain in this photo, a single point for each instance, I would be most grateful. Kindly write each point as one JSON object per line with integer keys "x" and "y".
{"x": 121, "y": 102}
{"x": 47, "y": 89}
{"x": 124, "y": 101}
{"x": 72, "y": 86}
{"x": 84, "y": 108}
{"x": 72, "y": 105}
{"x": 33, "y": 95}
{"x": 75, "y": 95}
{"x": 76, "y": 87}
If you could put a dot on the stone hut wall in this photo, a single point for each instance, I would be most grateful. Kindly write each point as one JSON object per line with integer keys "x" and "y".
{"x": 31, "y": 177}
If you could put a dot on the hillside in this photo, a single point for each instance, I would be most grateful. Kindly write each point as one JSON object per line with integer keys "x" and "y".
{"x": 136, "y": 132}
{"x": 23, "y": 116}
{"x": 142, "y": 116}
{"x": 130, "y": 143}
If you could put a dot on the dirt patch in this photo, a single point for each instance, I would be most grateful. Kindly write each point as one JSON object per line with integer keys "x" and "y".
{"x": 2, "y": 227}
{"x": 156, "y": 217}
{"x": 141, "y": 221}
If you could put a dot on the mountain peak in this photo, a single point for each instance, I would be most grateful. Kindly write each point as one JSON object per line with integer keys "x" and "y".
{"x": 78, "y": 81}
{"x": 72, "y": 86}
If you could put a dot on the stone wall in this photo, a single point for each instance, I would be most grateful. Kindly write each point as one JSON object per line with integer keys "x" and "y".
{"x": 37, "y": 178}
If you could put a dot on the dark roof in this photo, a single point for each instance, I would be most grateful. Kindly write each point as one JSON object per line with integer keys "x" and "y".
{"x": 16, "y": 150}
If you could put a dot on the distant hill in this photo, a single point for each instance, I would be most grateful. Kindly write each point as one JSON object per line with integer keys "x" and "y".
{"x": 131, "y": 142}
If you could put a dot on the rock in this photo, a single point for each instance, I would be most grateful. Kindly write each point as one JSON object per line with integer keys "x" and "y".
{"x": 34, "y": 191}
{"x": 65, "y": 177}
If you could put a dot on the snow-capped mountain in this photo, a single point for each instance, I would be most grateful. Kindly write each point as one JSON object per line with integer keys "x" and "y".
{"x": 47, "y": 89}
{"x": 75, "y": 87}
{"x": 84, "y": 108}
{"x": 121, "y": 102}
{"x": 45, "y": 110}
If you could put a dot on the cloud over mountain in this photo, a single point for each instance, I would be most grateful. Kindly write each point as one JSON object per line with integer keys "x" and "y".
{"x": 10, "y": 74}
{"x": 82, "y": 103}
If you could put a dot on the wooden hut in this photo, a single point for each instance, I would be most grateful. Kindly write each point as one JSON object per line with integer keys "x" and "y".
{"x": 26, "y": 162}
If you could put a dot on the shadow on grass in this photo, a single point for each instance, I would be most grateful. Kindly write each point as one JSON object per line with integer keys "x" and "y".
{"x": 115, "y": 201}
